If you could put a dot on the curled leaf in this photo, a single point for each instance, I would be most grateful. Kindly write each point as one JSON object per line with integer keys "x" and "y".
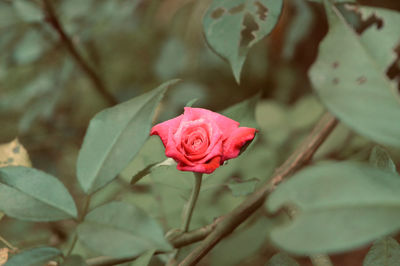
{"x": 14, "y": 154}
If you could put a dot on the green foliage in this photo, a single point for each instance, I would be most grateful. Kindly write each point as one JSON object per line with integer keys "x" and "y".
{"x": 148, "y": 169}
{"x": 47, "y": 98}
{"x": 8, "y": 17}
{"x": 281, "y": 259}
{"x": 143, "y": 259}
{"x": 121, "y": 230}
{"x": 243, "y": 188}
{"x": 350, "y": 74}
{"x": 30, "y": 48}
{"x": 225, "y": 22}
{"x": 114, "y": 137}
{"x": 384, "y": 252}
{"x": 336, "y": 207}
{"x": 240, "y": 243}
{"x": 30, "y": 194}
{"x": 34, "y": 256}
{"x": 244, "y": 111}
{"x": 28, "y": 11}
{"x": 74, "y": 260}
{"x": 381, "y": 159}
{"x": 172, "y": 59}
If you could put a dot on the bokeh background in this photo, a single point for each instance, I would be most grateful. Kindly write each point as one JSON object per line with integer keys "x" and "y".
{"x": 47, "y": 101}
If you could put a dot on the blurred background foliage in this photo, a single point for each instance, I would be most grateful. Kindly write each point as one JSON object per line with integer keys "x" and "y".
{"x": 47, "y": 100}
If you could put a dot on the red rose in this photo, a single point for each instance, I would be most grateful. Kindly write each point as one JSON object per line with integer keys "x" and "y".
{"x": 201, "y": 140}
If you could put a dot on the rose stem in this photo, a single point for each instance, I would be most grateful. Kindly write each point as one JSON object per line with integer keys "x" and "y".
{"x": 188, "y": 211}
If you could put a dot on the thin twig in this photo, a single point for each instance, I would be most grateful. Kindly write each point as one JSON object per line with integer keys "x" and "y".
{"x": 90, "y": 72}
{"x": 298, "y": 159}
{"x": 194, "y": 235}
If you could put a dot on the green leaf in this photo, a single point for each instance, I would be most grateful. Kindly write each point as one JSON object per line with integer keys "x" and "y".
{"x": 232, "y": 27}
{"x": 28, "y": 11}
{"x": 34, "y": 257}
{"x": 380, "y": 158}
{"x": 130, "y": 230}
{"x": 191, "y": 102}
{"x": 243, "y": 188}
{"x": 73, "y": 9}
{"x": 338, "y": 206}
{"x": 35, "y": 88}
{"x": 305, "y": 113}
{"x": 29, "y": 194}
{"x": 237, "y": 245}
{"x": 244, "y": 111}
{"x": 114, "y": 137}
{"x": 74, "y": 260}
{"x": 8, "y": 17}
{"x": 148, "y": 169}
{"x": 384, "y": 252}
{"x": 143, "y": 259}
{"x": 30, "y": 48}
{"x": 282, "y": 259}
{"x": 350, "y": 74}
{"x": 172, "y": 59}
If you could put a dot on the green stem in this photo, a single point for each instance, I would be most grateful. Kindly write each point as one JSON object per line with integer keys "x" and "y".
{"x": 80, "y": 220}
{"x": 8, "y": 244}
{"x": 188, "y": 212}
{"x": 85, "y": 208}
{"x": 71, "y": 248}
{"x": 187, "y": 215}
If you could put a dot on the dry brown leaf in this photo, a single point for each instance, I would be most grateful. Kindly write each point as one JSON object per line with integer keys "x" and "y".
{"x": 3, "y": 256}
{"x": 13, "y": 154}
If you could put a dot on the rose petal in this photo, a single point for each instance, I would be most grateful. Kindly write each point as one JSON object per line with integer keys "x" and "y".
{"x": 172, "y": 152}
{"x": 209, "y": 154}
{"x": 195, "y": 143}
{"x": 236, "y": 140}
{"x": 164, "y": 129}
{"x": 225, "y": 124}
{"x": 220, "y": 139}
{"x": 206, "y": 168}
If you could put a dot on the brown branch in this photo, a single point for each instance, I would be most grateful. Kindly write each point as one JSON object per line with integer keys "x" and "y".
{"x": 193, "y": 236}
{"x": 228, "y": 223}
{"x": 90, "y": 72}
{"x": 181, "y": 240}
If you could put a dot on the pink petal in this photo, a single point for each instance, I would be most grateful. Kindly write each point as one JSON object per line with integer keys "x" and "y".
{"x": 206, "y": 168}
{"x": 225, "y": 124}
{"x": 236, "y": 140}
{"x": 214, "y": 151}
{"x": 172, "y": 152}
{"x": 165, "y": 128}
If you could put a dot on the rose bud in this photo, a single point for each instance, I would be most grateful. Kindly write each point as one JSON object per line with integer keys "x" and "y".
{"x": 200, "y": 140}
